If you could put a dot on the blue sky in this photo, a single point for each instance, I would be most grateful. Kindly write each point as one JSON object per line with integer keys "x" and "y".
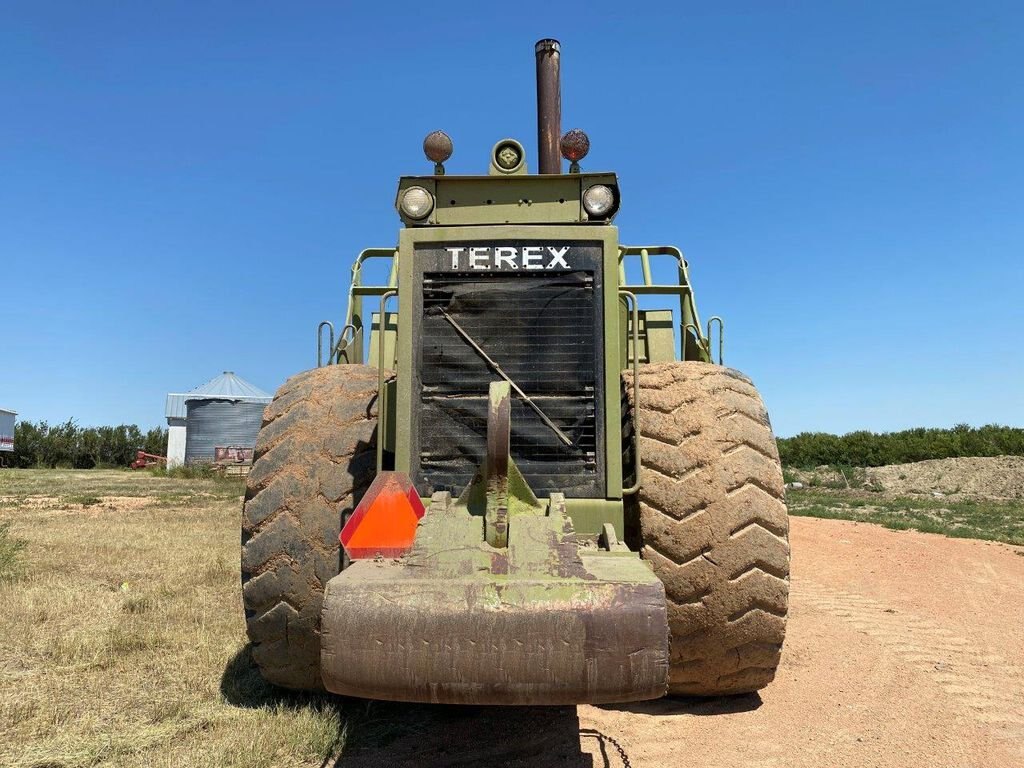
{"x": 183, "y": 186}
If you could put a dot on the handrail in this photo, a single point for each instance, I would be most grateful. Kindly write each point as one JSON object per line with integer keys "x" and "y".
{"x": 356, "y": 287}
{"x": 653, "y": 250}
{"x": 636, "y": 390}
{"x": 702, "y": 342}
{"x": 381, "y": 408}
{"x": 320, "y": 342}
{"x": 721, "y": 337}
{"x": 688, "y": 316}
{"x": 353, "y": 313}
{"x": 334, "y": 350}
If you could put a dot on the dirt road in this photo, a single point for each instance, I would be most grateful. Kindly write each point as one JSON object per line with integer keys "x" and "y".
{"x": 903, "y": 649}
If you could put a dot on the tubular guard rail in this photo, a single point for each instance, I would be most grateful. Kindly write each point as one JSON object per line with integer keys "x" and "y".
{"x": 348, "y": 349}
{"x": 689, "y": 319}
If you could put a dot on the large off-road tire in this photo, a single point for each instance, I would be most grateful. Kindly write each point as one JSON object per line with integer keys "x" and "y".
{"x": 315, "y": 456}
{"x": 712, "y": 521}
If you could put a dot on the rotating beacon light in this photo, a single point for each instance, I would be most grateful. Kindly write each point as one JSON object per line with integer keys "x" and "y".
{"x": 574, "y": 145}
{"x": 438, "y": 148}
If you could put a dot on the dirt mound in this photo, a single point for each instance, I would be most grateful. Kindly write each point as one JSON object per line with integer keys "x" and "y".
{"x": 996, "y": 477}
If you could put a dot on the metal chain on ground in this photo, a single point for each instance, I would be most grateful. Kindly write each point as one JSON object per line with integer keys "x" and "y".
{"x": 605, "y": 738}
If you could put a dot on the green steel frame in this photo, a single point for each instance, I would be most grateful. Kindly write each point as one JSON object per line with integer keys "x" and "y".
{"x": 508, "y": 209}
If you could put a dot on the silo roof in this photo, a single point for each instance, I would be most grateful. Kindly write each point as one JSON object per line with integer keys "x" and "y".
{"x": 226, "y": 386}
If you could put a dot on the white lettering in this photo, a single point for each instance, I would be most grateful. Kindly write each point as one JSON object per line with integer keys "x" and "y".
{"x": 557, "y": 257}
{"x": 455, "y": 256}
{"x": 505, "y": 255}
{"x": 483, "y": 257}
{"x": 478, "y": 258}
{"x": 531, "y": 257}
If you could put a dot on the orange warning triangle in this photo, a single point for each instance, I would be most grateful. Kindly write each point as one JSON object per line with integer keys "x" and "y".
{"x": 384, "y": 522}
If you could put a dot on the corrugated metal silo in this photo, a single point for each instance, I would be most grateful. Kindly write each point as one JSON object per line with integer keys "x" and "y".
{"x": 224, "y": 412}
{"x": 212, "y": 423}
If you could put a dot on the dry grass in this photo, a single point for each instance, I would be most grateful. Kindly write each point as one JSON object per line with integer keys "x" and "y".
{"x": 123, "y": 644}
{"x": 123, "y": 639}
{"x": 10, "y": 554}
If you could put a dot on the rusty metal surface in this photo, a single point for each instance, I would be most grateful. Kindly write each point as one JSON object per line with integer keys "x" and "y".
{"x": 549, "y": 105}
{"x": 232, "y": 454}
{"x": 543, "y": 621}
{"x": 499, "y": 428}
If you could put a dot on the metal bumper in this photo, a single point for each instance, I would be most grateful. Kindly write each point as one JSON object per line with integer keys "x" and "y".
{"x": 541, "y": 621}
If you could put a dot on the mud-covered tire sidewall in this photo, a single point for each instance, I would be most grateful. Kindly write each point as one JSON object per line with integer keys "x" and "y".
{"x": 315, "y": 455}
{"x": 711, "y": 519}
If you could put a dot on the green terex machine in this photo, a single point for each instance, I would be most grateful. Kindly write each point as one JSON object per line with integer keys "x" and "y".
{"x": 546, "y": 493}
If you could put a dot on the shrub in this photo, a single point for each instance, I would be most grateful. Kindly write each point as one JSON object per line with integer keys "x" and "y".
{"x": 873, "y": 449}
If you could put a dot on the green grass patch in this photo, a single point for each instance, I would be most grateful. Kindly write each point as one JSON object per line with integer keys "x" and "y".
{"x": 11, "y": 567}
{"x": 968, "y": 519}
{"x": 86, "y": 500}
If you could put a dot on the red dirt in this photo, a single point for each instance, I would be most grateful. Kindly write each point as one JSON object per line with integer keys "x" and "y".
{"x": 903, "y": 649}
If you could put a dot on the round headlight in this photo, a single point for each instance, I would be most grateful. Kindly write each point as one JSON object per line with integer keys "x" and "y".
{"x": 598, "y": 200}
{"x": 417, "y": 203}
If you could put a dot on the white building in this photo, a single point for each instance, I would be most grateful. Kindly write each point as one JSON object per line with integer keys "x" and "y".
{"x": 7, "y": 430}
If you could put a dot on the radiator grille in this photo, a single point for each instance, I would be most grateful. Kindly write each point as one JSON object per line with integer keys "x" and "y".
{"x": 541, "y": 331}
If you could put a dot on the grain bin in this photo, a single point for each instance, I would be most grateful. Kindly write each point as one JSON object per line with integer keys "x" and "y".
{"x": 226, "y": 411}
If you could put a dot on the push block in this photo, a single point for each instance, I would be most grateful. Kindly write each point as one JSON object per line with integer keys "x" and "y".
{"x": 547, "y": 619}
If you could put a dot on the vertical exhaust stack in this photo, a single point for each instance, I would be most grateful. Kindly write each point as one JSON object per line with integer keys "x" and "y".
{"x": 549, "y": 105}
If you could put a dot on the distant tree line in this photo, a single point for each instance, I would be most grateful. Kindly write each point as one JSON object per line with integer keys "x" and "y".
{"x": 41, "y": 444}
{"x": 68, "y": 445}
{"x": 872, "y": 449}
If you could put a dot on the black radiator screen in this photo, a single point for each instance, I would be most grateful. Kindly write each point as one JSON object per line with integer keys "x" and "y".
{"x": 543, "y": 331}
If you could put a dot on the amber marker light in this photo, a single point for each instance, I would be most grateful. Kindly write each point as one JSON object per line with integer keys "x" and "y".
{"x": 574, "y": 145}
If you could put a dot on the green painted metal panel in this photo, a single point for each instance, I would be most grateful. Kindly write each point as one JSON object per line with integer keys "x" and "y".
{"x": 606, "y": 237}
{"x": 657, "y": 335}
{"x": 390, "y": 338}
{"x": 482, "y": 200}
{"x": 589, "y": 515}
{"x": 527, "y": 208}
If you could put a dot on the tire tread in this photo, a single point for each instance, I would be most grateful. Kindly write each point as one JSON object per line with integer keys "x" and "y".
{"x": 713, "y": 524}
{"x": 315, "y": 455}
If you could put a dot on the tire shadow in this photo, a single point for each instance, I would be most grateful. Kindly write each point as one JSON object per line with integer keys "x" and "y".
{"x": 408, "y": 735}
{"x": 376, "y": 733}
{"x": 688, "y": 705}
